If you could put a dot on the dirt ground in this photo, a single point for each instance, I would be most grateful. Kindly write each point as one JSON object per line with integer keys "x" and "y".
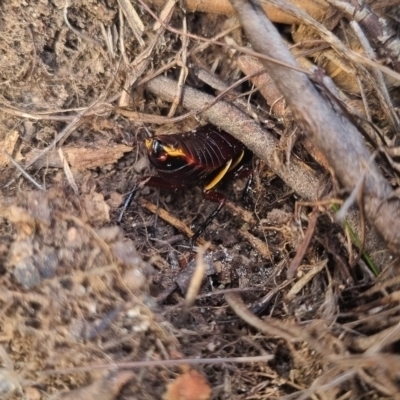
{"x": 286, "y": 306}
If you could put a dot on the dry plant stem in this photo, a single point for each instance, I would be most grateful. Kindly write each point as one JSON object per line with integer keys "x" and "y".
{"x": 197, "y": 280}
{"x": 133, "y": 19}
{"x": 141, "y": 117}
{"x": 184, "y": 69}
{"x": 249, "y": 65}
{"x": 369, "y": 344}
{"x": 107, "y": 38}
{"x": 317, "y": 268}
{"x": 270, "y": 326}
{"x": 315, "y": 8}
{"x": 36, "y": 116}
{"x": 259, "y": 245}
{"x": 68, "y": 172}
{"x": 328, "y": 128}
{"x": 80, "y": 158}
{"x": 373, "y": 320}
{"x": 78, "y": 120}
{"x": 244, "y": 215}
{"x": 121, "y": 36}
{"x": 23, "y": 172}
{"x": 167, "y": 10}
{"x": 380, "y": 382}
{"x": 275, "y": 327}
{"x": 199, "y": 48}
{"x": 213, "y": 81}
{"x": 381, "y": 286}
{"x": 106, "y": 388}
{"x": 378, "y": 28}
{"x": 161, "y": 363}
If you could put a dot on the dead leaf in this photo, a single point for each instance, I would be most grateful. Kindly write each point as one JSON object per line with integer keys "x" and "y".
{"x": 190, "y": 386}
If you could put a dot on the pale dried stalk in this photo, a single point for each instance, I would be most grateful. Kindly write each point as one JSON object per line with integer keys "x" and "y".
{"x": 68, "y": 172}
{"x": 196, "y": 280}
{"x": 133, "y": 19}
{"x": 184, "y": 69}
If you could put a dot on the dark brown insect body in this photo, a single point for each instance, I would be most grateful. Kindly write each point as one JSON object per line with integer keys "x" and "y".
{"x": 206, "y": 154}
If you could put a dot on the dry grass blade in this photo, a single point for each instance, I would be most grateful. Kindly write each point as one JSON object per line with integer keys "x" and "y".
{"x": 133, "y": 19}
{"x": 68, "y": 172}
{"x": 306, "y": 279}
{"x": 197, "y": 280}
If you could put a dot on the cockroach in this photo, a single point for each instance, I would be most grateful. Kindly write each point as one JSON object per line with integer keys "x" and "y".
{"x": 207, "y": 154}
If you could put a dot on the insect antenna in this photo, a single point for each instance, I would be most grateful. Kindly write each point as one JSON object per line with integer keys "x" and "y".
{"x": 131, "y": 195}
{"x": 127, "y": 202}
{"x": 216, "y": 198}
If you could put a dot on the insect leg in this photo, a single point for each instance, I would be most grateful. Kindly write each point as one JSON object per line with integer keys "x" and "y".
{"x": 152, "y": 181}
{"x": 245, "y": 172}
{"x": 215, "y": 197}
